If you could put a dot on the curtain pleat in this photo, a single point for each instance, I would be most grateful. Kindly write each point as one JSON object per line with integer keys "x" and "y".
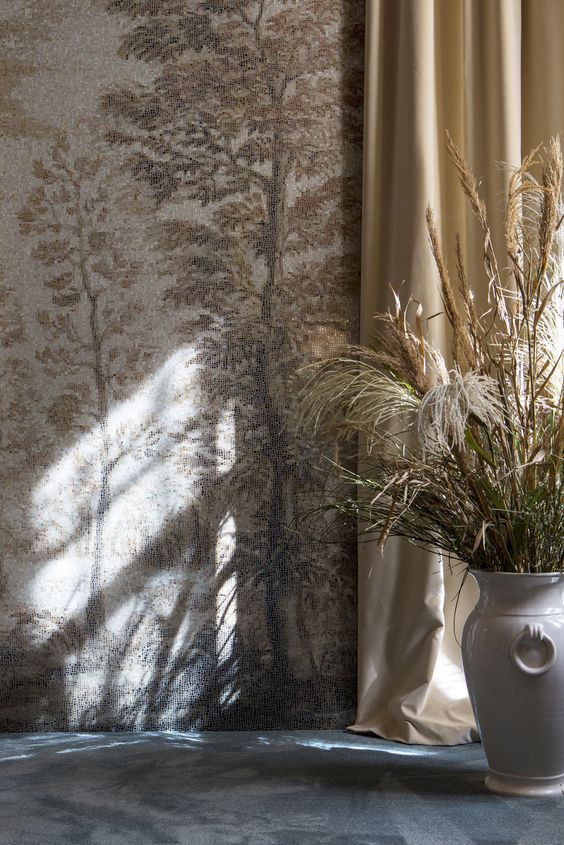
{"x": 490, "y": 73}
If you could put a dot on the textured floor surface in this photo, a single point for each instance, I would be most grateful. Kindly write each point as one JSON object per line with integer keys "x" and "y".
{"x": 272, "y": 788}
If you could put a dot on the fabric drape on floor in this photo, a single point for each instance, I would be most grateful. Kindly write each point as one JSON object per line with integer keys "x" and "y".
{"x": 490, "y": 72}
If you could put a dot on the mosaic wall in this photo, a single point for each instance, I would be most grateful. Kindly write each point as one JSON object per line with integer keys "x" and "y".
{"x": 180, "y": 204}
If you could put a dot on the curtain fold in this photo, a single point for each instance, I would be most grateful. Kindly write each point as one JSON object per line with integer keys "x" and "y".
{"x": 489, "y": 72}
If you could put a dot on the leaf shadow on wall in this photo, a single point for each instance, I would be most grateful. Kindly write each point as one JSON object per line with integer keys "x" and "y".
{"x": 195, "y": 627}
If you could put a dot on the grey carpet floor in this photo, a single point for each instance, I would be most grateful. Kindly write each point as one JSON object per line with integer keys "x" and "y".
{"x": 252, "y": 788}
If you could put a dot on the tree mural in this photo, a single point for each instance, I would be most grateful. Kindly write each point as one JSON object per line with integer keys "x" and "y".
{"x": 18, "y": 37}
{"x": 249, "y": 144}
{"x": 185, "y": 250}
{"x": 85, "y": 337}
{"x": 15, "y": 403}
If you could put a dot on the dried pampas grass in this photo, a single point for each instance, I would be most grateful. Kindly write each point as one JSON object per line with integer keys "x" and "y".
{"x": 467, "y": 461}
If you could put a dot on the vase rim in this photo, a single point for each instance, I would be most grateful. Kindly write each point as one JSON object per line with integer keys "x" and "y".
{"x": 556, "y": 574}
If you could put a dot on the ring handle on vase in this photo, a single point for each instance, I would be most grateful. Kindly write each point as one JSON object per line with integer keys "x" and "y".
{"x": 533, "y": 634}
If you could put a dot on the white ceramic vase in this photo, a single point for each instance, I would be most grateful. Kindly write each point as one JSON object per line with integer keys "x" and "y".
{"x": 513, "y": 653}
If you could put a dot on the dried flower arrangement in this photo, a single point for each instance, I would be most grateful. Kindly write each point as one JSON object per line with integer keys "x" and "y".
{"x": 468, "y": 461}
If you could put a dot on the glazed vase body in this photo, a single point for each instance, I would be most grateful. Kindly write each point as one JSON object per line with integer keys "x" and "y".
{"x": 513, "y": 654}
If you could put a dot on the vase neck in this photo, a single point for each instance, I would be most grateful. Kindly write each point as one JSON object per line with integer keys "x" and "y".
{"x": 514, "y": 592}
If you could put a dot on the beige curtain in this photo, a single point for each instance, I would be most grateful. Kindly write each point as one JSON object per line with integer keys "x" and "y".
{"x": 491, "y": 72}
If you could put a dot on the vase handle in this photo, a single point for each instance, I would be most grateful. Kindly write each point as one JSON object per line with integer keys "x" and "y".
{"x": 535, "y": 635}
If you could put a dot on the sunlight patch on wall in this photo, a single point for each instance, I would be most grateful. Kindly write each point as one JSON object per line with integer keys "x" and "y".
{"x": 225, "y": 438}
{"x": 61, "y": 585}
{"x": 111, "y": 493}
{"x": 226, "y": 609}
{"x": 119, "y": 619}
